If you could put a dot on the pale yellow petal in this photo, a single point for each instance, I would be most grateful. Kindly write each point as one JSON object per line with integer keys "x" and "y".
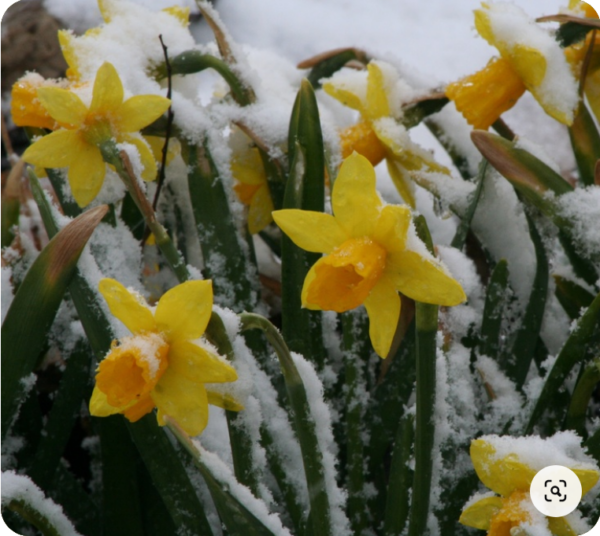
{"x": 587, "y": 477}
{"x": 107, "y": 94}
{"x": 224, "y": 401}
{"x": 127, "y": 307}
{"x": 356, "y": 203}
{"x": 182, "y": 14}
{"x": 504, "y": 475}
{"x": 383, "y": 308}
{"x": 529, "y": 63}
{"x": 402, "y": 182}
{"x": 261, "y": 207}
{"x": 247, "y": 167}
{"x": 150, "y": 171}
{"x": 140, "y": 111}
{"x": 86, "y": 174}
{"x": 55, "y": 150}
{"x": 423, "y": 279}
{"x": 66, "y": 40}
{"x": 479, "y": 514}
{"x": 377, "y": 101}
{"x": 99, "y": 406}
{"x": 183, "y": 400}
{"x": 312, "y": 231}
{"x": 347, "y": 98}
{"x": 559, "y": 526}
{"x": 184, "y": 311}
{"x": 62, "y": 105}
{"x": 392, "y": 228}
{"x": 198, "y": 365}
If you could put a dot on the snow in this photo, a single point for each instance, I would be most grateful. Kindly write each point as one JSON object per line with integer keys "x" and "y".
{"x": 20, "y": 488}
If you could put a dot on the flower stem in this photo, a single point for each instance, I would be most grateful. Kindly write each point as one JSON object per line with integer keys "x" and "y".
{"x": 122, "y": 164}
{"x": 426, "y": 320}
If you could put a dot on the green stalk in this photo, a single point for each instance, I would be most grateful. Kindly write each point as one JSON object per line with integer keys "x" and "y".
{"x": 581, "y": 398}
{"x": 120, "y": 161}
{"x": 426, "y": 322}
{"x": 495, "y": 302}
{"x": 354, "y": 343}
{"x": 303, "y": 423}
{"x": 398, "y": 495}
{"x": 585, "y": 141}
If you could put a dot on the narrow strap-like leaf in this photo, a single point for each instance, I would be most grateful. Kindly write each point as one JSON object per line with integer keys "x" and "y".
{"x": 585, "y": 140}
{"x": 495, "y": 302}
{"x": 581, "y": 397}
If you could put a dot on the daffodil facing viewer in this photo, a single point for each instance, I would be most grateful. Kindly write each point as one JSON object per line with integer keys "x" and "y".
{"x": 85, "y": 128}
{"x": 530, "y": 58}
{"x": 162, "y": 364}
{"x": 378, "y": 134}
{"x": 371, "y": 252}
{"x": 505, "y": 465}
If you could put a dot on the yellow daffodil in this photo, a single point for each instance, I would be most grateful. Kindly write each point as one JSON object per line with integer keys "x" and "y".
{"x": 378, "y": 135}
{"x": 511, "y": 479}
{"x": 529, "y": 59}
{"x": 77, "y": 144}
{"x": 371, "y": 253}
{"x": 251, "y": 184}
{"x": 161, "y": 365}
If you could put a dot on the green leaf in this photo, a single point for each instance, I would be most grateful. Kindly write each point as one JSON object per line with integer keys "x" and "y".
{"x": 225, "y": 252}
{"x": 303, "y": 423}
{"x": 585, "y": 140}
{"x": 460, "y": 237}
{"x": 495, "y": 303}
{"x": 527, "y": 334}
{"x": 325, "y": 65}
{"x": 401, "y": 476}
{"x": 35, "y": 305}
{"x": 582, "y": 395}
{"x": 571, "y": 33}
{"x": 234, "y": 514}
{"x": 455, "y": 150}
{"x": 593, "y": 445}
{"x": 121, "y": 509}
{"x": 74, "y": 387}
{"x": 572, "y": 296}
{"x": 305, "y": 189}
{"x": 574, "y": 351}
{"x": 416, "y": 113}
{"x": 164, "y": 464}
{"x": 426, "y": 323}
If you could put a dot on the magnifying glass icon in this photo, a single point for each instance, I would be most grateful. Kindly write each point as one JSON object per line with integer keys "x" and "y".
{"x": 556, "y": 491}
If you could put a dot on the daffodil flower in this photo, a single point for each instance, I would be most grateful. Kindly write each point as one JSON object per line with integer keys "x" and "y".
{"x": 371, "y": 252}
{"x": 530, "y": 58}
{"x": 378, "y": 135}
{"x": 251, "y": 184}
{"x": 511, "y": 479}
{"x": 161, "y": 365}
{"x": 85, "y": 129}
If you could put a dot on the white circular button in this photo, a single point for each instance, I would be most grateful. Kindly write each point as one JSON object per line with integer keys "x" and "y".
{"x": 555, "y": 491}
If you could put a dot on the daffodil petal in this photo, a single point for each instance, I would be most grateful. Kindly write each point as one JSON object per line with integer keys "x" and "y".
{"x": 261, "y": 207}
{"x": 107, "y": 94}
{"x": 559, "y": 526}
{"x": 356, "y": 203}
{"x": 63, "y": 105}
{"x": 247, "y": 167}
{"x": 54, "y": 150}
{"x": 377, "y": 101}
{"x": 182, "y": 14}
{"x": 347, "y": 98}
{"x": 125, "y": 306}
{"x": 66, "y": 40}
{"x": 224, "y": 401}
{"x": 142, "y": 407}
{"x": 308, "y": 281}
{"x": 149, "y": 172}
{"x": 86, "y": 174}
{"x": 503, "y": 475}
{"x": 392, "y": 228}
{"x": 587, "y": 477}
{"x": 479, "y": 514}
{"x": 184, "y": 311}
{"x": 139, "y": 111}
{"x": 402, "y": 181}
{"x": 312, "y": 231}
{"x": 423, "y": 279}
{"x": 99, "y": 406}
{"x": 383, "y": 308}
{"x": 183, "y": 400}
{"x": 198, "y": 365}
